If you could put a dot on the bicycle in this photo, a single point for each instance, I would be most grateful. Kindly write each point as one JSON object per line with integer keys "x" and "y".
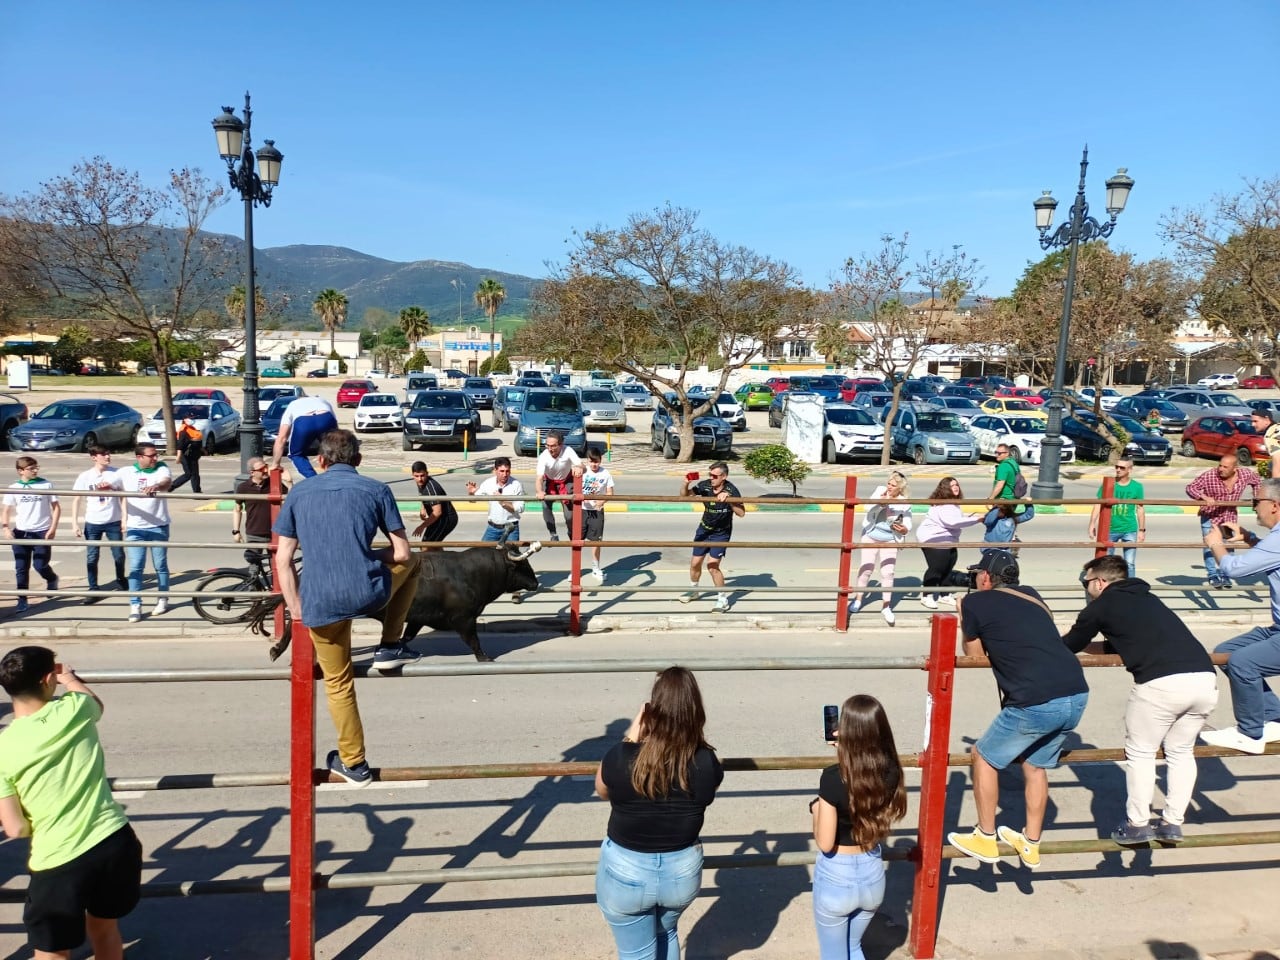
{"x": 228, "y": 606}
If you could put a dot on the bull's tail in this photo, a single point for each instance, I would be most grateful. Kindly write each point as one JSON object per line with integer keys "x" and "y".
{"x": 261, "y": 618}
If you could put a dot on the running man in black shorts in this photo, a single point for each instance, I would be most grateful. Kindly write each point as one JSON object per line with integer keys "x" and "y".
{"x": 715, "y": 529}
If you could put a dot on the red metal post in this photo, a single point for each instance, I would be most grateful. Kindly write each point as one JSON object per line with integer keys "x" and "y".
{"x": 1104, "y": 517}
{"x": 302, "y": 797}
{"x": 575, "y": 559}
{"x": 846, "y": 551}
{"x": 933, "y": 785}
{"x": 276, "y": 487}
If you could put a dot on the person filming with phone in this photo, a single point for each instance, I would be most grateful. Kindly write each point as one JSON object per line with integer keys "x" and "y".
{"x": 714, "y": 530}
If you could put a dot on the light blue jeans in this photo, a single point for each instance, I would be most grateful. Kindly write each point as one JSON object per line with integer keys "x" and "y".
{"x": 642, "y": 896}
{"x": 1251, "y": 658}
{"x": 847, "y": 889}
{"x": 1210, "y": 564}
{"x": 1130, "y": 553}
{"x": 138, "y": 559}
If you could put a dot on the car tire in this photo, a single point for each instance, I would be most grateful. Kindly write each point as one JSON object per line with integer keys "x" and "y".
{"x": 1189, "y": 449}
{"x": 1244, "y": 456}
{"x": 1015, "y": 455}
{"x": 668, "y": 451}
{"x": 405, "y": 442}
{"x": 917, "y": 455}
{"x": 829, "y": 454}
{"x": 1105, "y": 453}
{"x": 653, "y": 439}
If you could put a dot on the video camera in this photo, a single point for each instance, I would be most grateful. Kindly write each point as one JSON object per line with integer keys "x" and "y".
{"x": 1001, "y": 564}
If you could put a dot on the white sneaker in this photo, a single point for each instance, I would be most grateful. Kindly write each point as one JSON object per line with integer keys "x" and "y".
{"x": 722, "y": 605}
{"x": 135, "y": 612}
{"x": 854, "y": 606}
{"x": 1232, "y": 738}
{"x": 598, "y": 574}
{"x": 1271, "y": 731}
{"x": 948, "y": 600}
{"x": 889, "y": 618}
{"x": 161, "y": 608}
{"x": 688, "y": 596}
{"x": 928, "y": 601}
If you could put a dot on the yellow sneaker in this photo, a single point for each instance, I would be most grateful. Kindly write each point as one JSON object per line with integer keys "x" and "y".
{"x": 1028, "y": 851}
{"x": 979, "y": 845}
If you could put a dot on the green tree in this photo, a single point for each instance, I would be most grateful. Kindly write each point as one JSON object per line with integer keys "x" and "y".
{"x": 489, "y": 296}
{"x": 416, "y": 323}
{"x": 775, "y": 461}
{"x": 331, "y": 307}
{"x": 417, "y": 360}
{"x": 293, "y": 359}
{"x": 500, "y": 364}
{"x": 342, "y": 363}
{"x": 71, "y": 348}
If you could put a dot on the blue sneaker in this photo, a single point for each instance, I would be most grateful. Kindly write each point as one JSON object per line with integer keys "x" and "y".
{"x": 392, "y": 658}
{"x": 358, "y": 776}
{"x": 1169, "y": 833}
{"x": 1133, "y": 835}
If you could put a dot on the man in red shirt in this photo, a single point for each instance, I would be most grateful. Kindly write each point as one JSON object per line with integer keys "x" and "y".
{"x": 1218, "y": 491}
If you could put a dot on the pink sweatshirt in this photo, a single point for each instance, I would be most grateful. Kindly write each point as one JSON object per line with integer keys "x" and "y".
{"x": 943, "y": 522}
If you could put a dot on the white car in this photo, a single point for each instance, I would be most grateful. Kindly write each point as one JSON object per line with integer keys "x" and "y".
{"x": 635, "y": 396}
{"x": 726, "y": 407}
{"x": 850, "y": 432}
{"x": 1219, "y": 381}
{"x": 376, "y": 374}
{"x": 1110, "y": 397}
{"x": 379, "y": 411}
{"x": 216, "y": 419}
{"x": 219, "y": 371}
{"x": 1024, "y": 436}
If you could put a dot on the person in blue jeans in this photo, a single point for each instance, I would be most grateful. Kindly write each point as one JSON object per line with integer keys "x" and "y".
{"x": 1254, "y": 656}
{"x": 659, "y": 781}
{"x": 146, "y": 520}
{"x": 859, "y": 798}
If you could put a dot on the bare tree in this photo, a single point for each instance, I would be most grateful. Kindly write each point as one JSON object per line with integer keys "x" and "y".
{"x": 130, "y": 254}
{"x": 659, "y": 296}
{"x": 871, "y": 291}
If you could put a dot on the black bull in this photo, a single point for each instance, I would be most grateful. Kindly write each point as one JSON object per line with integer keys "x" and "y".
{"x": 454, "y": 587}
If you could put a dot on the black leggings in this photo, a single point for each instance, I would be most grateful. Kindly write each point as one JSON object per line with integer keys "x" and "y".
{"x": 939, "y": 562}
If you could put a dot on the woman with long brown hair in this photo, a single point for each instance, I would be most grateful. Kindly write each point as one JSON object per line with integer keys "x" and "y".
{"x": 859, "y": 798}
{"x": 659, "y": 781}
{"x": 942, "y": 524}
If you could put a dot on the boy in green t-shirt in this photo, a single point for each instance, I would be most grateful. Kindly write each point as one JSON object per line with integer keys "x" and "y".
{"x": 1128, "y": 520}
{"x": 85, "y": 861}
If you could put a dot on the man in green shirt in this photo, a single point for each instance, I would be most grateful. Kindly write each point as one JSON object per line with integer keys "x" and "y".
{"x": 1128, "y": 520}
{"x": 1006, "y": 475}
{"x": 85, "y": 861}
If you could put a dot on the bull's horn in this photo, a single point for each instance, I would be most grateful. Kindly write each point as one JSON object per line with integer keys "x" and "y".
{"x": 531, "y": 549}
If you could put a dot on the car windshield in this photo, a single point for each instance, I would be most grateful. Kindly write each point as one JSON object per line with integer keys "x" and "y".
{"x": 598, "y": 396}
{"x": 850, "y": 417}
{"x": 960, "y": 403}
{"x": 1027, "y": 425}
{"x": 277, "y": 408}
{"x": 513, "y": 395}
{"x": 1130, "y": 425}
{"x": 940, "y": 423}
{"x": 557, "y": 402}
{"x": 67, "y": 411}
{"x": 1226, "y": 400}
{"x": 1017, "y": 405}
{"x": 633, "y": 388}
{"x": 418, "y": 383}
{"x": 440, "y": 401}
{"x": 478, "y": 383}
{"x": 196, "y": 411}
{"x": 379, "y": 400}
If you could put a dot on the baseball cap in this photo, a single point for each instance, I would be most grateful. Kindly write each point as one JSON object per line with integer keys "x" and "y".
{"x": 999, "y": 563}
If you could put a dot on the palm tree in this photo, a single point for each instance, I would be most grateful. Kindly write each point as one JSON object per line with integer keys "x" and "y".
{"x": 234, "y": 303}
{"x": 331, "y": 307}
{"x": 416, "y": 324}
{"x": 489, "y": 296}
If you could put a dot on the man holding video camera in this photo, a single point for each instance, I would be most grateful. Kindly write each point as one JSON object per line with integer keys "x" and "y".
{"x": 1042, "y": 697}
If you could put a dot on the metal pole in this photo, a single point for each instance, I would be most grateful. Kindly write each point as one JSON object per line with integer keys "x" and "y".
{"x": 1104, "y": 516}
{"x": 575, "y": 560}
{"x": 250, "y": 422}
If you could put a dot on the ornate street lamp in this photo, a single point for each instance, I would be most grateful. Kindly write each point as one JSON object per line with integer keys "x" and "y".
{"x": 235, "y": 146}
{"x": 1081, "y": 227}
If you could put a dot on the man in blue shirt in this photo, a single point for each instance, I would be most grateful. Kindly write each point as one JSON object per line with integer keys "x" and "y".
{"x": 1252, "y": 656}
{"x": 334, "y": 516}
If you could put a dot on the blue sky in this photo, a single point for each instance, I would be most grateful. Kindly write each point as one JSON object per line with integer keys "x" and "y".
{"x": 486, "y": 133}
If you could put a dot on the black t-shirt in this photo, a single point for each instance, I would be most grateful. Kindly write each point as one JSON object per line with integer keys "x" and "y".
{"x": 448, "y": 514}
{"x": 664, "y": 825}
{"x": 715, "y": 516}
{"x": 257, "y": 513}
{"x": 831, "y": 788}
{"x": 1028, "y": 657}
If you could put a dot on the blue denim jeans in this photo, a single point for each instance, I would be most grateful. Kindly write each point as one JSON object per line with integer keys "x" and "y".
{"x": 642, "y": 896}
{"x": 1210, "y": 564}
{"x": 1032, "y": 734}
{"x": 847, "y": 889}
{"x": 1130, "y": 553}
{"x": 493, "y": 534}
{"x": 93, "y": 532}
{"x": 138, "y": 559}
{"x": 38, "y": 554}
{"x": 1252, "y": 657}
{"x": 304, "y": 437}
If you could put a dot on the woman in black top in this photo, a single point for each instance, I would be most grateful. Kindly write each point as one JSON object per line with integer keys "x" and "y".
{"x": 859, "y": 797}
{"x": 659, "y": 780}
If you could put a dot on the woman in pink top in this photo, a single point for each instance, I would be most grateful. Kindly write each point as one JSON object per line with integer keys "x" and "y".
{"x": 942, "y": 524}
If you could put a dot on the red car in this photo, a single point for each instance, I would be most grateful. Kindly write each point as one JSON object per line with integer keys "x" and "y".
{"x": 1214, "y": 435}
{"x": 201, "y": 393}
{"x": 778, "y": 384}
{"x": 1260, "y": 382}
{"x": 851, "y": 388}
{"x": 1022, "y": 393}
{"x": 351, "y": 391}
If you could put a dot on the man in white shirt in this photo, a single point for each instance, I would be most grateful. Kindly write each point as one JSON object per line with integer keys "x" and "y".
{"x": 29, "y": 515}
{"x": 101, "y": 517}
{"x": 305, "y": 421}
{"x": 596, "y": 480}
{"x": 501, "y": 512}
{"x": 557, "y": 465}
{"x": 146, "y": 519}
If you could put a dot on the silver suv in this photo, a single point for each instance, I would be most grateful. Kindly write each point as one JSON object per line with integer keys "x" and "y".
{"x": 924, "y": 433}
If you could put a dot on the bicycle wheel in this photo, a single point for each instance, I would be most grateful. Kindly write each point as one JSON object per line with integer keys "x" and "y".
{"x": 227, "y": 608}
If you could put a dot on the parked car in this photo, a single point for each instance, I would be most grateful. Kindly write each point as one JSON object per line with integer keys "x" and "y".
{"x": 560, "y": 380}
{"x": 13, "y": 413}
{"x": 271, "y": 417}
{"x": 1022, "y": 434}
{"x": 180, "y": 370}
{"x": 962, "y": 407}
{"x": 925, "y": 434}
{"x": 1172, "y": 420}
{"x": 273, "y": 371}
{"x": 201, "y": 393}
{"x": 827, "y": 389}
{"x": 1000, "y": 406}
{"x": 532, "y": 378}
{"x": 1196, "y": 402}
{"x": 376, "y": 374}
{"x": 507, "y": 402}
{"x": 415, "y": 383}
{"x": 851, "y": 387}
{"x": 547, "y": 409}
{"x": 1026, "y": 393}
{"x": 988, "y": 384}
{"x": 351, "y": 391}
{"x": 77, "y": 424}
{"x": 1110, "y": 397}
{"x": 727, "y": 408}
{"x": 850, "y": 432}
{"x": 602, "y": 408}
{"x": 937, "y": 380}
{"x": 216, "y": 419}
{"x": 271, "y": 394}
{"x": 754, "y": 396}
{"x": 636, "y": 396}
{"x": 1219, "y": 381}
{"x": 957, "y": 390}
{"x": 873, "y": 401}
{"x": 602, "y": 378}
{"x": 712, "y": 437}
{"x": 480, "y": 391}
{"x": 319, "y": 373}
{"x": 778, "y": 384}
{"x": 454, "y": 374}
{"x": 1215, "y": 434}
{"x": 1270, "y": 407}
{"x": 913, "y": 389}
{"x": 1259, "y": 381}
{"x": 1143, "y": 446}
{"x": 219, "y": 370}
{"x": 1090, "y": 444}
{"x": 378, "y": 411}
{"x": 440, "y": 417}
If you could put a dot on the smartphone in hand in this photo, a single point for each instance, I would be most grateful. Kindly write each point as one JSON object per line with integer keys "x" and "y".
{"x": 830, "y": 722}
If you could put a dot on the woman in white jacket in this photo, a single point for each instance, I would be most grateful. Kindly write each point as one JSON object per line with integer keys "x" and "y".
{"x": 942, "y": 524}
{"x": 888, "y": 524}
